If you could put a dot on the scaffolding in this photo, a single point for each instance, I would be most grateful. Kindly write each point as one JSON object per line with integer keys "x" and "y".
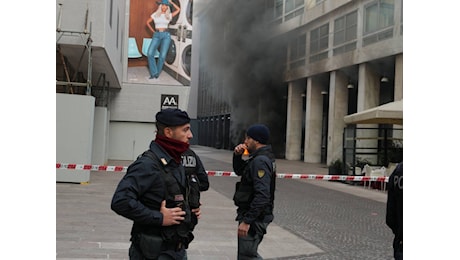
{"x": 73, "y": 81}
{"x": 86, "y": 41}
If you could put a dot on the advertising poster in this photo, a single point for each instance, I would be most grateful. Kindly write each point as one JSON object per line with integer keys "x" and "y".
{"x": 160, "y": 42}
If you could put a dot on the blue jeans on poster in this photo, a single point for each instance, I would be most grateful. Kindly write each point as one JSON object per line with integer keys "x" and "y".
{"x": 160, "y": 41}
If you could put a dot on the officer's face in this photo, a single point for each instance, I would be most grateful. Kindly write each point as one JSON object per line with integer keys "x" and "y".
{"x": 250, "y": 144}
{"x": 181, "y": 133}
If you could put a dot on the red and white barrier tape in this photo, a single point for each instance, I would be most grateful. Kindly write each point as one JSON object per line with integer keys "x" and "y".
{"x": 89, "y": 167}
{"x": 310, "y": 176}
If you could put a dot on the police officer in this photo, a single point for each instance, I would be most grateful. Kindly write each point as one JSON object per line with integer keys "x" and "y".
{"x": 394, "y": 216}
{"x": 153, "y": 193}
{"x": 255, "y": 192}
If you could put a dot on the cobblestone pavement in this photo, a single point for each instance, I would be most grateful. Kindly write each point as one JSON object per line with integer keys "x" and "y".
{"x": 342, "y": 221}
{"x": 343, "y": 225}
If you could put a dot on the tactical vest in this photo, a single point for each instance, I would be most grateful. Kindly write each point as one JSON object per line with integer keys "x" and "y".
{"x": 189, "y": 163}
{"x": 176, "y": 197}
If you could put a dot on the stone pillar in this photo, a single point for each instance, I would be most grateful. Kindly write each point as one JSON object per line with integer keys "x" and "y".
{"x": 368, "y": 97}
{"x": 294, "y": 120}
{"x": 338, "y": 108}
{"x": 313, "y": 122}
{"x": 398, "y": 77}
{"x": 398, "y": 134}
{"x": 368, "y": 87}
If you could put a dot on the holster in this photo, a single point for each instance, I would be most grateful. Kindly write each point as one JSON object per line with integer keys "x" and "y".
{"x": 194, "y": 195}
{"x": 243, "y": 195}
{"x": 149, "y": 245}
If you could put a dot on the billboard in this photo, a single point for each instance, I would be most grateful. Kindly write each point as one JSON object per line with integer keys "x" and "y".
{"x": 160, "y": 42}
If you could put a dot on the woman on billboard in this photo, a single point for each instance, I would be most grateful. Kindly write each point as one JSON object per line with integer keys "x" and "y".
{"x": 161, "y": 38}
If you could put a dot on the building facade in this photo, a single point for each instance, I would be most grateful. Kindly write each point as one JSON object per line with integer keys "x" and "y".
{"x": 340, "y": 57}
{"x": 298, "y": 66}
{"x": 101, "y": 59}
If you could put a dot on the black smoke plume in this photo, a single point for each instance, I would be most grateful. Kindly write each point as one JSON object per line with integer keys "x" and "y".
{"x": 239, "y": 49}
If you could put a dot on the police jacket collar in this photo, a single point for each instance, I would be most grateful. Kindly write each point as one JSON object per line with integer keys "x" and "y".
{"x": 169, "y": 162}
{"x": 262, "y": 150}
{"x": 161, "y": 153}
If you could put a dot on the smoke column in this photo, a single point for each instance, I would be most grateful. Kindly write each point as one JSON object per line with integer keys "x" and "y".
{"x": 240, "y": 50}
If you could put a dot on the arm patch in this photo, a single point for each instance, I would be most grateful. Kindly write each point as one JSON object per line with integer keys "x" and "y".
{"x": 260, "y": 173}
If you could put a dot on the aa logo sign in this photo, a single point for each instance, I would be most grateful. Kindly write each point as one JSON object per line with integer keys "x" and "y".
{"x": 169, "y": 101}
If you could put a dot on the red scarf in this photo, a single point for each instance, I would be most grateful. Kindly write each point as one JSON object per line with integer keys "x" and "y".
{"x": 173, "y": 147}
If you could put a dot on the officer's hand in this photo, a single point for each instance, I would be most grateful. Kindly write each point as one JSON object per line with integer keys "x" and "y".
{"x": 197, "y": 212}
{"x": 239, "y": 149}
{"x": 243, "y": 229}
{"x": 171, "y": 216}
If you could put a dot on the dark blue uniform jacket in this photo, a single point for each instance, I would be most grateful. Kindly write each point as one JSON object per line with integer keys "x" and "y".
{"x": 260, "y": 169}
{"x": 394, "y": 214}
{"x": 139, "y": 194}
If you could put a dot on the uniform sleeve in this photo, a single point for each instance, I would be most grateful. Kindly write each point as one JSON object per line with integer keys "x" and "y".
{"x": 202, "y": 175}
{"x": 391, "y": 204}
{"x": 261, "y": 172}
{"x": 238, "y": 164}
{"x": 126, "y": 201}
{"x": 394, "y": 216}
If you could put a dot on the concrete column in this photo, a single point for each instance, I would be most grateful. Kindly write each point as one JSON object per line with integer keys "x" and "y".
{"x": 368, "y": 87}
{"x": 398, "y": 90}
{"x": 399, "y": 77}
{"x": 338, "y": 108}
{"x": 368, "y": 97}
{"x": 313, "y": 122}
{"x": 100, "y": 149}
{"x": 294, "y": 120}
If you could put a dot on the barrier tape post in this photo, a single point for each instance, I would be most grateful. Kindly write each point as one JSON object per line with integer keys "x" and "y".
{"x": 70, "y": 166}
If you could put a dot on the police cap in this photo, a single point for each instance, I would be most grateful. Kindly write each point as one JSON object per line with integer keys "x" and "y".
{"x": 172, "y": 117}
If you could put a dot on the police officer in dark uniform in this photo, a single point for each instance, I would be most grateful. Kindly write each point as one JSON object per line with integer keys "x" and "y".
{"x": 394, "y": 216}
{"x": 255, "y": 192}
{"x": 154, "y": 193}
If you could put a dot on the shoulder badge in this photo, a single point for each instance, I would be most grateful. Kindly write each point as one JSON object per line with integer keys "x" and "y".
{"x": 260, "y": 173}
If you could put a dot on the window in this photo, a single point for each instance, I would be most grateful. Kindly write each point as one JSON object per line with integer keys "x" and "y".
{"x": 278, "y": 8}
{"x": 378, "y": 21}
{"x": 110, "y": 14}
{"x": 401, "y": 29}
{"x": 284, "y": 10}
{"x": 319, "y": 41}
{"x": 292, "y": 5}
{"x": 312, "y": 3}
{"x": 118, "y": 26}
{"x": 345, "y": 33}
{"x": 298, "y": 51}
{"x": 293, "y": 8}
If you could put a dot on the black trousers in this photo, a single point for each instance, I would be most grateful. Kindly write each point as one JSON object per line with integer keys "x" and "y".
{"x": 398, "y": 249}
{"x": 248, "y": 246}
{"x": 136, "y": 254}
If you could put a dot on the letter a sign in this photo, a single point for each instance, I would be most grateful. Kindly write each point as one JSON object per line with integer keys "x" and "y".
{"x": 169, "y": 101}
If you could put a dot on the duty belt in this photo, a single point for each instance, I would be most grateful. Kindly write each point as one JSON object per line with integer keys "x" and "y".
{"x": 173, "y": 246}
